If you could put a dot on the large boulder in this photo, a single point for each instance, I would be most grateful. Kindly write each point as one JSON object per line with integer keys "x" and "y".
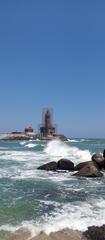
{"x": 99, "y": 159}
{"x": 51, "y": 166}
{"x": 65, "y": 164}
{"x": 90, "y": 170}
{"x": 83, "y": 164}
{"x": 95, "y": 233}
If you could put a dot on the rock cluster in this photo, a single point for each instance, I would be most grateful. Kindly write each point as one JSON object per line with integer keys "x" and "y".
{"x": 95, "y": 233}
{"x": 84, "y": 169}
{"x": 62, "y": 164}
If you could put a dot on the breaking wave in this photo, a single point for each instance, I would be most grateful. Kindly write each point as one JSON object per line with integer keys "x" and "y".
{"x": 57, "y": 149}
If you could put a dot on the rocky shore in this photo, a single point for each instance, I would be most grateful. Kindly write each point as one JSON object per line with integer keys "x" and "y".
{"x": 65, "y": 234}
{"x": 92, "y": 233}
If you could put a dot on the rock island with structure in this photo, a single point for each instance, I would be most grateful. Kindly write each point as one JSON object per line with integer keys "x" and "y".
{"x": 47, "y": 131}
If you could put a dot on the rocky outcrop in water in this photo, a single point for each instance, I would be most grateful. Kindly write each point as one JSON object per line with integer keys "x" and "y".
{"x": 51, "y": 166}
{"x": 85, "y": 169}
{"x": 99, "y": 159}
{"x": 89, "y": 170}
{"x": 65, "y": 164}
{"x": 17, "y": 136}
{"x": 83, "y": 164}
{"x": 62, "y": 164}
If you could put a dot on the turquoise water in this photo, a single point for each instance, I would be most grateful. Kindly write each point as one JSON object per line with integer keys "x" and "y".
{"x": 46, "y": 201}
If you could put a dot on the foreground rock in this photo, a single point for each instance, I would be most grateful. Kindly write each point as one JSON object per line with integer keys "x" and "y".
{"x": 51, "y": 166}
{"x": 85, "y": 169}
{"x": 65, "y": 164}
{"x": 90, "y": 170}
{"x": 65, "y": 234}
{"x": 62, "y": 164}
{"x": 20, "y": 234}
{"x": 83, "y": 164}
{"x": 104, "y": 153}
{"x": 95, "y": 233}
{"x": 99, "y": 159}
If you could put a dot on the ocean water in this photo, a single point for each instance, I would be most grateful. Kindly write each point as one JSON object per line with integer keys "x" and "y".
{"x": 35, "y": 200}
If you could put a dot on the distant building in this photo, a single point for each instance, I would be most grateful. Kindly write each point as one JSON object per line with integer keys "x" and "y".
{"x": 47, "y": 129}
{"x": 28, "y": 130}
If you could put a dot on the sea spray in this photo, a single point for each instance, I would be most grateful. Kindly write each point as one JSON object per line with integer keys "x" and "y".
{"x": 57, "y": 149}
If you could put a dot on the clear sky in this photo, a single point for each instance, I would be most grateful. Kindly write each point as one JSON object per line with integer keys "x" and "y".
{"x": 52, "y": 54}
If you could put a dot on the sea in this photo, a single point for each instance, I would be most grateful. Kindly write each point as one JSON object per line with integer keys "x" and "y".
{"x": 37, "y": 201}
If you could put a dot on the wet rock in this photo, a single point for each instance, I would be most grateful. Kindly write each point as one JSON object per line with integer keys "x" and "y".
{"x": 65, "y": 234}
{"x": 90, "y": 170}
{"x": 65, "y": 164}
{"x": 99, "y": 159}
{"x": 104, "y": 153}
{"x": 95, "y": 233}
{"x": 51, "y": 166}
{"x": 83, "y": 164}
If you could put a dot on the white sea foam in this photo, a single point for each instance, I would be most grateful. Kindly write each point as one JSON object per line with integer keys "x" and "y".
{"x": 77, "y": 216}
{"x": 31, "y": 145}
{"x": 52, "y": 151}
{"x": 20, "y": 155}
{"x": 57, "y": 149}
{"x": 23, "y": 142}
{"x": 73, "y": 140}
{"x": 77, "y": 140}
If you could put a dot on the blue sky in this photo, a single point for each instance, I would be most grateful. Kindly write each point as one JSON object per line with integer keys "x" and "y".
{"x": 52, "y": 54}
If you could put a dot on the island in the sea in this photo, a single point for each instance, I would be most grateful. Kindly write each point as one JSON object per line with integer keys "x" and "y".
{"x": 47, "y": 131}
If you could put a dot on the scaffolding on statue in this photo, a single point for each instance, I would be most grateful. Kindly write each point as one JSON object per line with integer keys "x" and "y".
{"x": 47, "y": 129}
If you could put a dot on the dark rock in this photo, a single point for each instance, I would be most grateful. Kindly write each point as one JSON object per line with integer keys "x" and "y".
{"x": 99, "y": 159}
{"x": 90, "y": 170}
{"x": 65, "y": 164}
{"x": 104, "y": 153}
{"x": 83, "y": 164}
{"x": 51, "y": 166}
{"x": 95, "y": 233}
